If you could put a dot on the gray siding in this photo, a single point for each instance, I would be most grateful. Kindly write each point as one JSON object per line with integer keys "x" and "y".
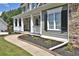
{"x": 3, "y": 26}
{"x": 53, "y": 33}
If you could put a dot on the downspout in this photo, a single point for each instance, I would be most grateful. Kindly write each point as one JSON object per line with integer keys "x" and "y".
{"x": 57, "y": 46}
{"x": 66, "y": 42}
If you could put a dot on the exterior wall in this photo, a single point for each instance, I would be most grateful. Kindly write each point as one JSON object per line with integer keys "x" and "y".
{"x": 53, "y": 33}
{"x": 3, "y": 27}
{"x": 74, "y": 23}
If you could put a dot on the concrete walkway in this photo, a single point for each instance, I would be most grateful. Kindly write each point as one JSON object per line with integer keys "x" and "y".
{"x": 26, "y": 46}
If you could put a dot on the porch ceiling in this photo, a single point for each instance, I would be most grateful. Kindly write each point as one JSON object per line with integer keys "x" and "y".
{"x": 37, "y": 10}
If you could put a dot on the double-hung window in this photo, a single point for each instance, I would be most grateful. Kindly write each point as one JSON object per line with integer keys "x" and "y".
{"x": 54, "y": 19}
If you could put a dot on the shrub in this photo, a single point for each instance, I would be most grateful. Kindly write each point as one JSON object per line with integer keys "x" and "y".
{"x": 48, "y": 42}
{"x": 35, "y": 38}
{"x": 69, "y": 47}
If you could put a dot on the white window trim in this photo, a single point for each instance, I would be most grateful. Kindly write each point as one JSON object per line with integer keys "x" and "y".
{"x": 50, "y": 12}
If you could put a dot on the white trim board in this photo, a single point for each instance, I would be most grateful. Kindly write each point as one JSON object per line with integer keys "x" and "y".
{"x": 54, "y": 38}
{"x": 54, "y": 10}
{"x": 3, "y": 33}
{"x": 51, "y": 38}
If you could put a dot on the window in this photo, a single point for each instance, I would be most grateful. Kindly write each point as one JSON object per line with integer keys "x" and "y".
{"x": 54, "y": 19}
{"x": 19, "y": 22}
{"x": 33, "y": 5}
{"x": 58, "y": 20}
{"x": 36, "y": 22}
{"x": 51, "y": 21}
{"x": 15, "y": 22}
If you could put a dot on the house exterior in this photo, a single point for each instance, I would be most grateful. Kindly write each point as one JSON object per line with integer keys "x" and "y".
{"x": 47, "y": 20}
{"x": 3, "y": 27}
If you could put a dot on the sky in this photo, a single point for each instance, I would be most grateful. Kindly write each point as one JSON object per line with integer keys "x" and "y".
{"x": 8, "y": 6}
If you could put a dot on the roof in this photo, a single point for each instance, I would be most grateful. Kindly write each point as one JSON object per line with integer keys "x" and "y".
{"x": 19, "y": 15}
{"x": 3, "y": 21}
{"x": 37, "y": 10}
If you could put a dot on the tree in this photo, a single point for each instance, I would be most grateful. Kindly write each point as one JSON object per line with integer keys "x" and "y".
{"x": 7, "y": 16}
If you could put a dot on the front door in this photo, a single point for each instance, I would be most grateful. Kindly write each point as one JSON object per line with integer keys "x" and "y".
{"x": 26, "y": 24}
{"x": 36, "y": 26}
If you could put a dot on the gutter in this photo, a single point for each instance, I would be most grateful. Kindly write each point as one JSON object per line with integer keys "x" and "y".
{"x": 66, "y": 42}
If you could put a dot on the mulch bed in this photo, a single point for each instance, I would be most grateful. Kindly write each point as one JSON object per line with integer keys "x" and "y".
{"x": 63, "y": 52}
{"x": 47, "y": 43}
{"x": 40, "y": 41}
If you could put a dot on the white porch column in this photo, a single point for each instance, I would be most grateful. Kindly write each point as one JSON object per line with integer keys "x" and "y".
{"x": 14, "y": 24}
{"x": 40, "y": 22}
{"x": 22, "y": 24}
{"x": 31, "y": 24}
{"x": 30, "y": 6}
{"x": 17, "y": 22}
{"x": 18, "y": 28}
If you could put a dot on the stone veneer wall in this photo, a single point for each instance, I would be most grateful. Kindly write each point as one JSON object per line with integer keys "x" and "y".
{"x": 74, "y": 23}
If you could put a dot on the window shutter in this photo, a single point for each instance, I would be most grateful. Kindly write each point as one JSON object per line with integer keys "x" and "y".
{"x": 64, "y": 20}
{"x": 45, "y": 21}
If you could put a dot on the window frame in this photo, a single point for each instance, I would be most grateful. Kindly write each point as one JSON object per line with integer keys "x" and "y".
{"x": 53, "y": 11}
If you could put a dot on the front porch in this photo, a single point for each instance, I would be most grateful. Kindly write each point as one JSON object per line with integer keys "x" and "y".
{"x": 31, "y": 24}
{"x": 38, "y": 23}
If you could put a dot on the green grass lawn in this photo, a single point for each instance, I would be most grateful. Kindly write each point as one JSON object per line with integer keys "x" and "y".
{"x": 8, "y": 49}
